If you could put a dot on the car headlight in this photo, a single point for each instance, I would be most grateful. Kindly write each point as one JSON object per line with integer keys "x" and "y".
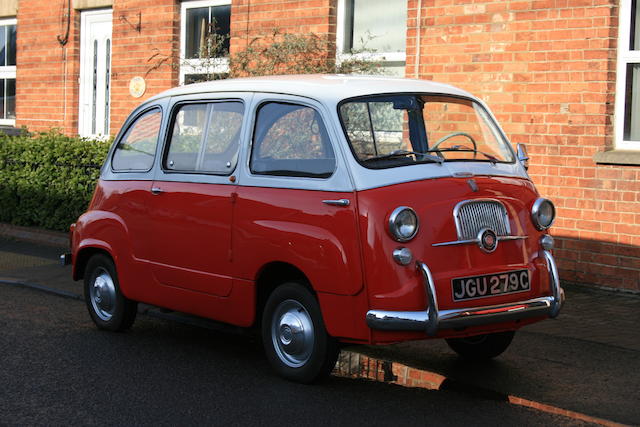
{"x": 543, "y": 213}
{"x": 403, "y": 224}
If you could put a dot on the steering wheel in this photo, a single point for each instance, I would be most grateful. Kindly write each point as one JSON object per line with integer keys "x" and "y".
{"x": 451, "y": 135}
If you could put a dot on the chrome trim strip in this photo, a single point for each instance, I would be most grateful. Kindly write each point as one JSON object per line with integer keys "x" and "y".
{"x": 554, "y": 282}
{"x": 456, "y": 214}
{"x": 475, "y": 241}
{"x": 392, "y": 222}
{"x": 535, "y": 212}
{"x": 340, "y": 202}
{"x": 432, "y": 320}
{"x": 65, "y": 259}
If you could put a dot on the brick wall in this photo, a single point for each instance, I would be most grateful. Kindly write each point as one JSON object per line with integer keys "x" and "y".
{"x": 253, "y": 18}
{"x": 47, "y": 71}
{"x": 47, "y": 89}
{"x": 547, "y": 69}
{"x": 152, "y": 52}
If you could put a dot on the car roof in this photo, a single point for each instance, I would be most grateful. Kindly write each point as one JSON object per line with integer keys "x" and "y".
{"x": 327, "y": 87}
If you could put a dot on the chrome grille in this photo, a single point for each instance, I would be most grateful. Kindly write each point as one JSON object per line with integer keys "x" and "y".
{"x": 473, "y": 215}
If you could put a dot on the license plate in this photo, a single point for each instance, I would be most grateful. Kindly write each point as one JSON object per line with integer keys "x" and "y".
{"x": 488, "y": 285}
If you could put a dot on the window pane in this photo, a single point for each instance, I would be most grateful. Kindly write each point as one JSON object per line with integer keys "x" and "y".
{"x": 632, "y": 104}
{"x": 3, "y": 46}
{"x": 634, "y": 39}
{"x": 2, "y": 99}
{"x": 11, "y": 99}
{"x": 196, "y": 31}
{"x": 223, "y": 138}
{"x": 376, "y": 24}
{"x": 291, "y": 140}
{"x": 186, "y": 140}
{"x": 136, "y": 150}
{"x": 222, "y": 26}
{"x": 201, "y": 22}
{"x": 11, "y": 45}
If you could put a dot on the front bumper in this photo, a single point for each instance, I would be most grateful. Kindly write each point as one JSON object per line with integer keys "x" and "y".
{"x": 432, "y": 320}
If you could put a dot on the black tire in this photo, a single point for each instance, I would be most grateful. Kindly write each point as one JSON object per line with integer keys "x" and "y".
{"x": 481, "y": 347}
{"x": 109, "y": 308}
{"x": 295, "y": 340}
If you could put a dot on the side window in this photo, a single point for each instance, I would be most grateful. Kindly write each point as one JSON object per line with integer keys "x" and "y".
{"x": 137, "y": 148}
{"x": 205, "y": 138}
{"x": 291, "y": 140}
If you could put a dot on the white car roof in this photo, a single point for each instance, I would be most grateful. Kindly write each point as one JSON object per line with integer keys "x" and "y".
{"x": 317, "y": 86}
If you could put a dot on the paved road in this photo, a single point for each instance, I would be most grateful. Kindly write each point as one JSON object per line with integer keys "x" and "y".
{"x": 56, "y": 368}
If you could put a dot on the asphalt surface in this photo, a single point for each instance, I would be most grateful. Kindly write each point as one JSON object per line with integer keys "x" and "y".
{"x": 57, "y": 368}
{"x": 587, "y": 360}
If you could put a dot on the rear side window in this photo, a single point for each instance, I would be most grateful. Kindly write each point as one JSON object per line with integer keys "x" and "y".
{"x": 137, "y": 148}
{"x": 205, "y": 138}
{"x": 291, "y": 140}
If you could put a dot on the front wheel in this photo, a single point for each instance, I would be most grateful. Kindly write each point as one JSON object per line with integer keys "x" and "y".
{"x": 481, "y": 347}
{"x": 294, "y": 337}
{"x": 108, "y": 307}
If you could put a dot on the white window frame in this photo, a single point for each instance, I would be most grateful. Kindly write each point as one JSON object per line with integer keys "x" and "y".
{"x": 625, "y": 57}
{"x": 8, "y": 71}
{"x": 381, "y": 57}
{"x": 195, "y": 65}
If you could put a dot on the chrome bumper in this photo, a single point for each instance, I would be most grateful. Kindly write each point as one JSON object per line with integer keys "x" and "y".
{"x": 432, "y": 320}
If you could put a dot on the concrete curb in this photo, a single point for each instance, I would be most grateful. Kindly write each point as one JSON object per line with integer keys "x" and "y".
{"x": 35, "y": 235}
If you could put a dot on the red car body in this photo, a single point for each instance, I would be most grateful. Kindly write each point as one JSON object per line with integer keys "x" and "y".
{"x": 216, "y": 247}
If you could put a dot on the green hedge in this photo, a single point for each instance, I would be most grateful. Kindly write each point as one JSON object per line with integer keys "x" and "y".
{"x": 46, "y": 180}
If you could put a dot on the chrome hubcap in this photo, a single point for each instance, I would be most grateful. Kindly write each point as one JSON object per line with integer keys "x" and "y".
{"x": 103, "y": 295}
{"x": 292, "y": 333}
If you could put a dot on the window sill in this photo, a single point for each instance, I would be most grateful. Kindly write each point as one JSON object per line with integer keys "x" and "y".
{"x": 618, "y": 157}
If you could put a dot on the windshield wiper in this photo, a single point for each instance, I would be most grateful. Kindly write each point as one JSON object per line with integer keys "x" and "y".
{"x": 403, "y": 153}
{"x": 493, "y": 159}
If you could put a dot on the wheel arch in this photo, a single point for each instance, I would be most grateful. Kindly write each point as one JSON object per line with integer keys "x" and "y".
{"x": 270, "y": 276}
{"x": 84, "y": 255}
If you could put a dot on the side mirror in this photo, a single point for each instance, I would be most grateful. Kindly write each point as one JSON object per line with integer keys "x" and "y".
{"x": 523, "y": 157}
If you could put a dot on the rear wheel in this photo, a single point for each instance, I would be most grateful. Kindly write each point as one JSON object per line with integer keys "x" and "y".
{"x": 108, "y": 307}
{"x": 294, "y": 337}
{"x": 481, "y": 347}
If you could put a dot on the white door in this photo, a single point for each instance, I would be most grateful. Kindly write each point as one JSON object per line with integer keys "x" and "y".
{"x": 95, "y": 72}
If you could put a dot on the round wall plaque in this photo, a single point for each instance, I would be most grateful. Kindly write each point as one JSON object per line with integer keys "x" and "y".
{"x": 137, "y": 86}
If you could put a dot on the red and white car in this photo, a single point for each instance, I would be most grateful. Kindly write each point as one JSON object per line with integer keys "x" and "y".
{"x": 324, "y": 210}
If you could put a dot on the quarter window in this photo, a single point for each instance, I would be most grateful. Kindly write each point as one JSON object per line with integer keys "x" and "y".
{"x": 137, "y": 148}
{"x": 291, "y": 140}
{"x": 7, "y": 71}
{"x": 628, "y": 90}
{"x": 204, "y": 42}
{"x": 378, "y": 25}
{"x": 205, "y": 138}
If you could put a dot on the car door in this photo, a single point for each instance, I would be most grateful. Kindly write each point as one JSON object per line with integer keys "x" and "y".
{"x": 193, "y": 194}
{"x": 296, "y": 204}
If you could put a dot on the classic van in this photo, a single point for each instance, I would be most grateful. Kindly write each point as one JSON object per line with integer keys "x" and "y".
{"x": 323, "y": 210}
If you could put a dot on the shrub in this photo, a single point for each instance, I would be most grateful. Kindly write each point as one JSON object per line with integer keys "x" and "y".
{"x": 46, "y": 180}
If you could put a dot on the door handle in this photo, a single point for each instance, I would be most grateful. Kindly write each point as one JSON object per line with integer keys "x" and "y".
{"x": 340, "y": 202}
{"x": 156, "y": 190}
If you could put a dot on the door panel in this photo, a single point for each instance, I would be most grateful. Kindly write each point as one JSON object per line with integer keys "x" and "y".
{"x": 95, "y": 73}
{"x": 192, "y": 207}
{"x": 190, "y": 244}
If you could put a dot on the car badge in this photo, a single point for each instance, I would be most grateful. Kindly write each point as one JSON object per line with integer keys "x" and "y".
{"x": 472, "y": 183}
{"x": 487, "y": 240}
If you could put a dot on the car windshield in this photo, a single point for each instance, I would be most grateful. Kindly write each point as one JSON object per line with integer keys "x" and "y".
{"x": 397, "y": 130}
